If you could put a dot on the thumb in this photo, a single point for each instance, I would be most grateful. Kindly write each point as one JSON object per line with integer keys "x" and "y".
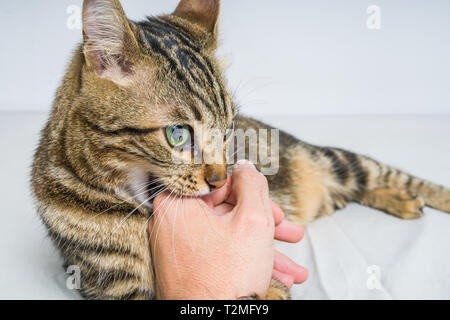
{"x": 249, "y": 189}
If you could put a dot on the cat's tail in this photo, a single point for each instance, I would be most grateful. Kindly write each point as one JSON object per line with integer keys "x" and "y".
{"x": 383, "y": 187}
{"x": 377, "y": 176}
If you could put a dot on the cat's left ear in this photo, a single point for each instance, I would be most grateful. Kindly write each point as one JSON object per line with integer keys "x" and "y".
{"x": 204, "y": 13}
{"x": 109, "y": 43}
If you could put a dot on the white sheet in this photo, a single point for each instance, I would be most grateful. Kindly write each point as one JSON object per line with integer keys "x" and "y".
{"x": 412, "y": 256}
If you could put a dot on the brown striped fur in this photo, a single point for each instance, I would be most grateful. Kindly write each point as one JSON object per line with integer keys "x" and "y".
{"x": 104, "y": 141}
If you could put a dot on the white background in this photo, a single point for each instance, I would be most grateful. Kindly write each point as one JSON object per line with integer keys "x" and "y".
{"x": 288, "y": 56}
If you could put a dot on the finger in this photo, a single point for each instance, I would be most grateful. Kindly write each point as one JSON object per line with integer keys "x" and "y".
{"x": 223, "y": 209}
{"x": 285, "y": 265}
{"x": 161, "y": 219}
{"x": 158, "y": 204}
{"x": 278, "y": 214}
{"x": 289, "y": 232}
{"x": 285, "y": 279}
{"x": 249, "y": 189}
{"x": 158, "y": 201}
{"x": 218, "y": 196}
{"x": 165, "y": 204}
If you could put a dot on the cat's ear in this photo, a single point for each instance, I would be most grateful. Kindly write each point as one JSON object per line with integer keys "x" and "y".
{"x": 202, "y": 12}
{"x": 109, "y": 43}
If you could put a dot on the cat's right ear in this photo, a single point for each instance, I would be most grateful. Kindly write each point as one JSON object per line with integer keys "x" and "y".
{"x": 204, "y": 13}
{"x": 109, "y": 43}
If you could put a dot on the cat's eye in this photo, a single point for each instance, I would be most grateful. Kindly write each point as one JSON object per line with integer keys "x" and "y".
{"x": 229, "y": 132}
{"x": 178, "y": 135}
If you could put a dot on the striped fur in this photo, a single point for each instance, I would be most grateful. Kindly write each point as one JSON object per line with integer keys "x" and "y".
{"x": 315, "y": 181}
{"x": 103, "y": 152}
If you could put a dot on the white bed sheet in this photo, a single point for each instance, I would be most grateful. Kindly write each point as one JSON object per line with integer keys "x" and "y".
{"x": 413, "y": 257}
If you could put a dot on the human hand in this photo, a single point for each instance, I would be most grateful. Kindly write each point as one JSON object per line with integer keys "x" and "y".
{"x": 221, "y": 249}
{"x": 284, "y": 269}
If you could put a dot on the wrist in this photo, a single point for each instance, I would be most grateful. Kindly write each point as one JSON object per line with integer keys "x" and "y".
{"x": 199, "y": 291}
{"x": 251, "y": 297}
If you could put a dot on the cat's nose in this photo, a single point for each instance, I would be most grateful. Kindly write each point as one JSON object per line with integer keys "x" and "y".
{"x": 215, "y": 175}
{"x": 215, "y": 181}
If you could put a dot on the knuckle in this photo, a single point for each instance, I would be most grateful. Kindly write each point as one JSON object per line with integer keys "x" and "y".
{"x": 256, "y": 225}
{"x": 254, "y": 216}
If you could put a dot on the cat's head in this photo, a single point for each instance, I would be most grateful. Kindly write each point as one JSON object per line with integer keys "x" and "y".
{"x": 155, "y": 93}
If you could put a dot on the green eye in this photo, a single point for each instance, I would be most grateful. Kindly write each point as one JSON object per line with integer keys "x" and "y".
{"x": 178, "y": 135}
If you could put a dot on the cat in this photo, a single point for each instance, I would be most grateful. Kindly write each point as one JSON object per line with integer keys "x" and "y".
{"x": 126, "y": 105}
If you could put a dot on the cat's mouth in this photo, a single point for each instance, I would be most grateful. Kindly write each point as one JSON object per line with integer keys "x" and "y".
{"x": 156, "y": 186}
{"x": 153, "y": 193}
{"x": 174, "y": 188}
{"x": 179, "y": 188}
{"x": 145, "y": 187}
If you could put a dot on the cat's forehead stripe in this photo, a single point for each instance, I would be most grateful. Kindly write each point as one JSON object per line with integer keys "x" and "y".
{"x": 157, "y": 47}
{"x": 189, "y": 62}
{"x": 179, "y": 33}
{"x": 191, "y": 67}
{"x": 189, "y": 51}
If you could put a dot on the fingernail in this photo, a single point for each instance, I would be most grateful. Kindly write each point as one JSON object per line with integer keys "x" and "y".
{"x": 244, "y": 163}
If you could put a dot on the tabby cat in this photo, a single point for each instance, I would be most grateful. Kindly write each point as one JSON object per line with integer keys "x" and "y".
{"x": 128, "y": 101}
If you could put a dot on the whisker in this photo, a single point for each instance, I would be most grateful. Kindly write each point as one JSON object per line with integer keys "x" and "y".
{"x": 129, "y": 215}
{"x": 147, "y": 184}
{"x": 122, "y": 202}
{"x": 159, "y": 186}
{"x": 80, "y": 244}
{"x": 151, "y": 215}
{"x": 234, "y": 154}
{"x": 162, "y": 220}
{"x": 173, "y": 239}
{"x": 185, "y": 226}
{"x": 126, "y": 200}
{"x": 207, "y": 216}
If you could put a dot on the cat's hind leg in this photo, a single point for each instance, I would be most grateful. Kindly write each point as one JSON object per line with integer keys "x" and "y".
{"x": 277, "y": 291}
{"x": 398, "y": 202}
